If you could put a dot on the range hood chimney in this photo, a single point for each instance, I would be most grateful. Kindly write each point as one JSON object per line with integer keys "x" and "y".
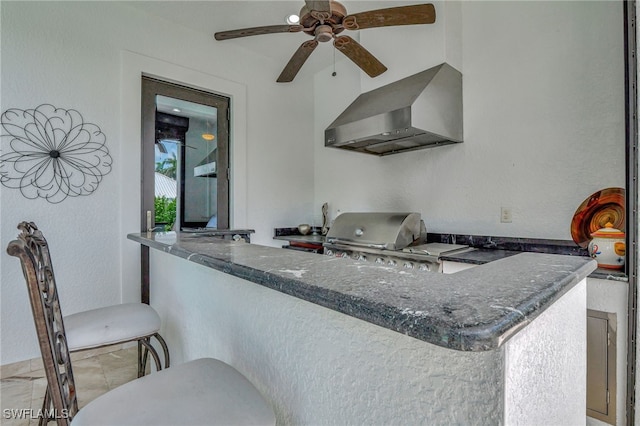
{"x": 420, "y": 111}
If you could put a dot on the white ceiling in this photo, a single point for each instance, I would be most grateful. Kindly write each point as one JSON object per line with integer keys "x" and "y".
{"x": 186, "y": 109}
{"x": 211, "y": 16}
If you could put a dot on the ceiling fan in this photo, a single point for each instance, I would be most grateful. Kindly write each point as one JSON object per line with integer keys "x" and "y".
{"x": 325, "y": 19}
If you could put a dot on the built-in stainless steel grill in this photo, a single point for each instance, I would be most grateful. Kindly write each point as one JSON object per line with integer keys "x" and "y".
{"x": 389, "y": 239}
{"x": 385, "y": 231}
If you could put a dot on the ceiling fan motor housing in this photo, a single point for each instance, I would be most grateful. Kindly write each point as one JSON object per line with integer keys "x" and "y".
{"x": 309, "y": 18}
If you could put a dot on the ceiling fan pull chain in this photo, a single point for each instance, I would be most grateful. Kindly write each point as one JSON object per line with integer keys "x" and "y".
{"x": 333, "y": 74}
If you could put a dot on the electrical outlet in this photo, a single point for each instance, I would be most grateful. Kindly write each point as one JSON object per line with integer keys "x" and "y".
{"x": 505, "y": 215}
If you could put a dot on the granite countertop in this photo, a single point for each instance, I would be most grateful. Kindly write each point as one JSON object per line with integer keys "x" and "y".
{"x": 473, "y": 310}
{"x": 216, "y": 231}
{"x": 480, "y": 256}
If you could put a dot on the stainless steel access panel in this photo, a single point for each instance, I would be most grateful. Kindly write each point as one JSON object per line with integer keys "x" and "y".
{"x": 601, "y": 366}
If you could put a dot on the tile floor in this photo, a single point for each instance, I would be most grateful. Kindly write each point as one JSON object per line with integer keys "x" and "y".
{"x": 94, "y": 376}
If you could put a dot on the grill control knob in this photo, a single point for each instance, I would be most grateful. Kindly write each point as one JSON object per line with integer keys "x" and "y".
{"x": 328, "y": 252}
{"x": 380, "y": 260}
{"x": 424, "y": 267}
{"x": 362, "y": 257}
{"x": 408, "y": 265}
{"x": 343, "y": 254}
{"x": 392, "y": 262}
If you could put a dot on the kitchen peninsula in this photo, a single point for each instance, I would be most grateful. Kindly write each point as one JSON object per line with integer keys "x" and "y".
{"x": 343, "y": 341}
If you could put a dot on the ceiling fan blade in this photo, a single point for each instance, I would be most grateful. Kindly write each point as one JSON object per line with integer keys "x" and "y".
{"x": 319, "y": 5}
{"x": 359, "y": 55}
{"x": 297, "y": 60}
{"x": 401, "y": 15}
{"x": 246, "y": 32}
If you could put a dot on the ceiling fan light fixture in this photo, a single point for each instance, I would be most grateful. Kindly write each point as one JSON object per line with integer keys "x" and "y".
{"x": 207, "y": 135}
{"x": 292, "y": 19}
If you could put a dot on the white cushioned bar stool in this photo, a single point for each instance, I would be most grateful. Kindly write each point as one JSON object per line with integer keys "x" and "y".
{"x": 117, "y": 324}
{"x": 200, "y": 392}
{"x": 113, "y": 325}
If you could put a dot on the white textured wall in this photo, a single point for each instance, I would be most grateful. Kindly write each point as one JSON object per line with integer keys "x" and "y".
{"x": 78, "y": 55}
{"x": 543, "y": 119}
{"x": 602, "y": 295}
{"x": 317, "y": 366}
{"x": 546, "y": 366}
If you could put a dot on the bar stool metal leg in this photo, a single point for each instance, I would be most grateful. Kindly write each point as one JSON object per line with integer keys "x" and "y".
{"x": 145, "y": 347}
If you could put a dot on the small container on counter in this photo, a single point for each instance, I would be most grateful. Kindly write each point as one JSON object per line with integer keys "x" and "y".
{"x": 608, "y": 247}
{"x": 304, "y": 228}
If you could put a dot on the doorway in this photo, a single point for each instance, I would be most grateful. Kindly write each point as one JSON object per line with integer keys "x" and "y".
{"x": 173, "y": 132}
{"x": 185, "y": 157}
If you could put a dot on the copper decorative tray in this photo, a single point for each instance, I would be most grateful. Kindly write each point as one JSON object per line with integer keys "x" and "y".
{"x": 606, "y": 205}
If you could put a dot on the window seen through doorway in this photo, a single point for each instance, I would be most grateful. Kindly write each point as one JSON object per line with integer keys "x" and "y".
{"x": 190, "y": 157}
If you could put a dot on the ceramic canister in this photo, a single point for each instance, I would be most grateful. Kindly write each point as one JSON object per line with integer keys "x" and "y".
{"x": 608, "y": 247}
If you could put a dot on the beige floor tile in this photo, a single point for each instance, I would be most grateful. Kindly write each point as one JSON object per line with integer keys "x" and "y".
{"x": 37, "y": 394}
{"x": 90, "y": 380}
{"x": 15, "y": 369}
{"x": 120, "y": 376}
{"x": 36, "y": 364}
{"x": 16, "y": 392}
{"x": 24, "y": 421}
{"x": 16, "y": 397}
{"x": 94, "y": 376}
{"x": 94, "y": 352}
{"x": 116, "y": 360}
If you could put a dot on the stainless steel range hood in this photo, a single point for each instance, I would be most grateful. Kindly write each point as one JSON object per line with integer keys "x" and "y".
{"x": 420, "y": 111}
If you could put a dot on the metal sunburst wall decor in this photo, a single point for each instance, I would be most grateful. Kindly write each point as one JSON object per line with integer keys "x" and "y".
{"x": 52, "y": 153}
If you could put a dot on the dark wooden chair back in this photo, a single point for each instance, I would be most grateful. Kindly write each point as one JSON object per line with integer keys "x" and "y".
{"x": 32, "y": 250}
